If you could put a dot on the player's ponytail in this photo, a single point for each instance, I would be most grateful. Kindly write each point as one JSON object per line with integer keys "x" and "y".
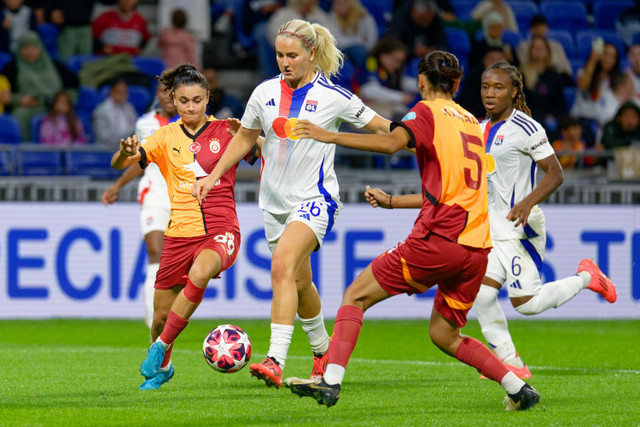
{"x": 328, "y": 58}
{"x": 442, "y": 69}
{"x": 519, "y": 102}
{"x": 182, "y": 75}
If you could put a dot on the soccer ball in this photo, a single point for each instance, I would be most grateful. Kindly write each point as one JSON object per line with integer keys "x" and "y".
{"x": 227, "y": 348}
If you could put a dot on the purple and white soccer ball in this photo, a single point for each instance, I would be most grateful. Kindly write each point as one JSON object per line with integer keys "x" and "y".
{"x": 227, "y": 348}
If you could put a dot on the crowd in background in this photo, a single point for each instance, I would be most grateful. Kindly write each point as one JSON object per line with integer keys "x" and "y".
{"x": 587, "y": 98}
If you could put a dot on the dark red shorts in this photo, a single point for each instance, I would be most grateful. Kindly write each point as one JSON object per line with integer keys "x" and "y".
{"x": 415, "y": 265}
{"x": 178, "y": 254}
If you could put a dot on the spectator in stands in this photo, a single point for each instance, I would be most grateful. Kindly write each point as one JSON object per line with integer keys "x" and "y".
{"x": 222, "y": 105}
{"x": 16, "y": 19}
{"x": 593, "y": 81}
{"x": 469, "y": 96}
{"x": 570, "y": 145}
{"x": 633, "y": 70}
{"x": 543, "y": 85}
{"x": 355, "y": 30}
{"x": 419, "y": 26}
{"x": 539, "y": 27}
{"x": 621, "y": 91}
{"x": 492, "y": 32}
{"x": 5, "y": 93}
{"x": 35, "y": 78}
{"x": 61, "y": 126}
{"x": 115, "y": 117}
{"x": 628, "y": 23}
{"x": 122, "y": 30}
{"x": 501, "y": 7}
{"x": 74, "y": 19}
{"x": 178, "y": 45}
{"x": 382, "y": 84}
{"x": 624, "y": 129}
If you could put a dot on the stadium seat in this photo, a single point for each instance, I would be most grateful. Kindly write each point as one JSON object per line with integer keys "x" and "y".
{"x": 9, "y": 130}
{"x": 585, "y": 38}
{"x": 569, "y": 15}
{"x": 382, "y": 11}
{"x": 569, "y": 96}
{"x": 87, "y": 99}
{"x": 139, "y": 96}
{"x": 49, "y": 35}
{"x": 459, "y": 42}
{"x": 39, "y": 161}
{"x": 6, "y": 161}
{"x": 463, "y": 9}
{"x": 565, "y": 39}
{"x": 606, "y": 12}
{"x": 87, "y": 123}
{"x": 149, "y": 65}
{"x": 34, "y": 127}
{"x": 75, "y": 62}
{"x": 93, "y": 163}
{"x": 512, "y": 38}
{"x": 5, "y": 58}
{"x": 524, "y": 10}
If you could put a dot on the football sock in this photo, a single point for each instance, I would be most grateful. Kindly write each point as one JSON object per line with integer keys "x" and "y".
{"x": 511, "y": 383}
{"x": 280, "y": 340}
{"x": 167, "y": 358}
{"x": 334, "y": 374}
{"x": 345, "y": 334}
{"x": 586, "y": 279}
{"x": 175, "y": 324}
{"x": 474, "y": 353}
{"x": 494, "y": 324}
{"x": 316, "y": 333}
{"x": 148, "y": 291}
{"x": 552, "y": 295}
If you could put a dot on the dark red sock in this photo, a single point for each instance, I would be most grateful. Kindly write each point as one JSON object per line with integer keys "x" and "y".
{"x": 175, "y": 324}
{"x": 345, "y": 334}
{"x": 474, "y": 353}
{"x": 167, "y": 357}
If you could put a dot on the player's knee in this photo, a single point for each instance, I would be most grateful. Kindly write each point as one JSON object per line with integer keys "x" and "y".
{"x": 280, "y": 271}
{"x": 529, "y": 308}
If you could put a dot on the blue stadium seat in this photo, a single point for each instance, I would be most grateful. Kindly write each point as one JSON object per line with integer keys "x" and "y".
{"x": 512, "y": 38}
{"x": 524, "y": 10}
{"x": 87, "y": 123}
{"x": 149, "y": 65}
{"x": 140, "y": 97}
{"x": 565, "y": 39}
{"x": 569, "y": 96}
{"x": 576, "y": 64}
{"x": 568, "y": 15}
{"x": 9, "y": 130}
{"x": 75, "y": 62}
{"x": 34, "y": 127}
{"x": 49, "y": 35}
{"x": 39, "y": 161}
{"x": 606, "y": 12}
{"x": 381, "y": 11}
{"x": 6, "y": 161}
{"x": 87, "y": 99}
{"x": 5, "y": 58}
{"x": 585, "y": 38}
{"x": 463, "y": 9}
{"x": 459, "y": 42}
{"x": 93, "y": 163}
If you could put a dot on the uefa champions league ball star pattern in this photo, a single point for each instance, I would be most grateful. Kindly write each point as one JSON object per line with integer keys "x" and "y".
{"x": 227, "y": 348}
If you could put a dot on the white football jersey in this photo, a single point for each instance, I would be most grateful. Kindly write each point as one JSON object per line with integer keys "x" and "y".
{"x": 513, "y": 147}
{"x": 294, "y": 171}
{"x": 152, "y": 188}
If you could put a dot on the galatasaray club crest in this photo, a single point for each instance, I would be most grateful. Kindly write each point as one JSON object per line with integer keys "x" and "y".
{"x": 214, "y": 145}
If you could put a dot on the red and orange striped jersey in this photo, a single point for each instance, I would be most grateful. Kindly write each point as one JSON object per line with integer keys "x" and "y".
{"x": 182, "y": 159}
{"x": 450, "y": 154}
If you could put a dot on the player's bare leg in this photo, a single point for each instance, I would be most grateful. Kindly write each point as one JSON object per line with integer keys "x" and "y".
{"x": 154, "y": 241}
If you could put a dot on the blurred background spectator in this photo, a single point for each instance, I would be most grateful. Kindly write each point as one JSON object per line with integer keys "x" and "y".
{"x": 469, "y": 94}
{"x": 177, "y": 44}
{"x": 73, "y": 19}
{"x": 419, "y": 27}
{"x": 115, "y": 117}
{"x": 355, "y": 29}
{"x": 61, "y": 127}
{"x": 499, "y": 6}
{"x": 492, "y": 36}
{"x": 16, "y": 19}
{"x": 5, "y": 93}
{"x": 624, "y": 129}
{"x": 620, "y": 91}
{"x": 570, "y": 145}
{"x": 121, "y": 30}
{"x": 539, "y": 27}
{"x": 222, "y": 105}
{"x": 35, "y": 78}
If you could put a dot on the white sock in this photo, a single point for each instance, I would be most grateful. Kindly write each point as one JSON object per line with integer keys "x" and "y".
{"x": 148, "y": 291}
{"x": 316, "y": 333}
{"x": 511, "y": 383}
{"x": 280, "y": 340}
{"x": 334, "y": 374}
{"x": 553, "y": 295}
{"x": 164, "y": 344}
{"x": 586, "y": 278}
{"x": 494, "y": 323}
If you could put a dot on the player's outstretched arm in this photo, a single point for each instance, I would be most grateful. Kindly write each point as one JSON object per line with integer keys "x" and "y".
{"x": 110, "y": 195}
{"x": 378, "y": 198}
{"x": 128, "y": 153}
{"x": 388, "y": 143}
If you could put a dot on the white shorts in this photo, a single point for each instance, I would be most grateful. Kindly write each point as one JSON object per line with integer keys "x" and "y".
{"x": 153, "y": 218}
{"x": 317, "y": 214}
{"x": 517, "y": 264}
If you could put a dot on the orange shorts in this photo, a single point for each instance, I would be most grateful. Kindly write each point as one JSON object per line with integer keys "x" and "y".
{"x": 417, "y": 264}
{"x": 178, "y": 254}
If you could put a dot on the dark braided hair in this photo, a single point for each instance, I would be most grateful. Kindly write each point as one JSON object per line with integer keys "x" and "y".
{"x": 516, "y": 81}
{"x": 182, "y": 75}
{"x": 442, "y": 69}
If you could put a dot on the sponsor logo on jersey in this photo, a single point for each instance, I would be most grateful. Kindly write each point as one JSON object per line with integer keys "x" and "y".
{"x": 311, "y": 106}
{"x": 360, "y": 111}
{"x": 271, "y": 103}
{"x": 539, "y": 144}
{"x": 194, "y": 147}
{"x": 214, "y": 145}
{"x": 411, "y": 115}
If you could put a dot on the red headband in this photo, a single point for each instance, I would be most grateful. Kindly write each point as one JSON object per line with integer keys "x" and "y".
{"x": 298, "y": 36}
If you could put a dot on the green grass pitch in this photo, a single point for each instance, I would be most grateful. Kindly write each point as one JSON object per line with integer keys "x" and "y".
{"x": 85, "y": 372}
